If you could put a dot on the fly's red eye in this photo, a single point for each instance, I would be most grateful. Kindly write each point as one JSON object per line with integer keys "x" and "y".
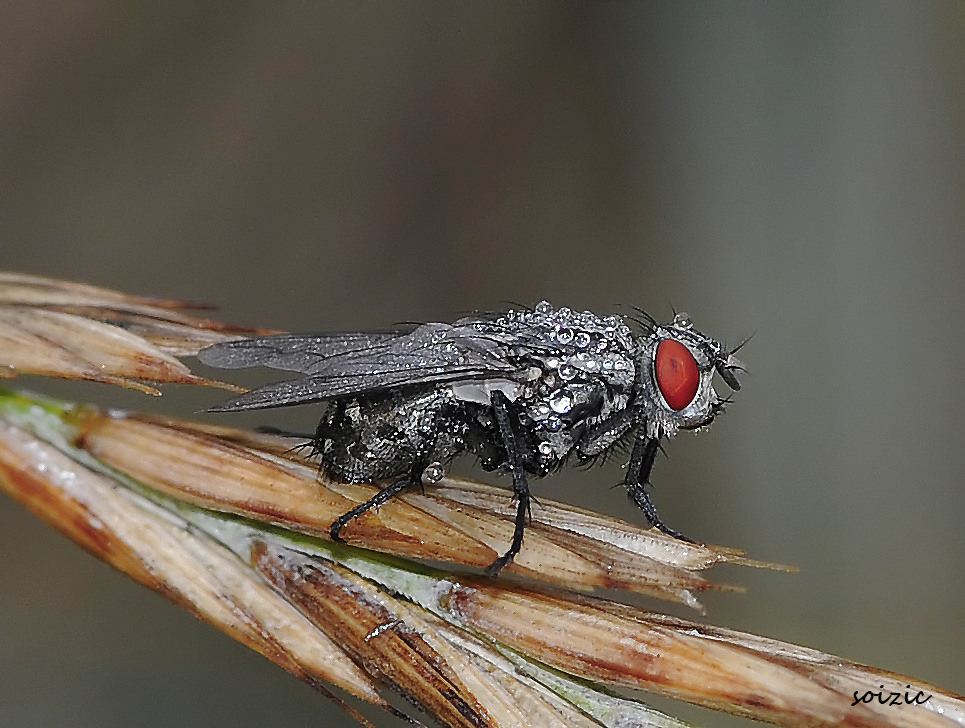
{"x": 677, "y": 374}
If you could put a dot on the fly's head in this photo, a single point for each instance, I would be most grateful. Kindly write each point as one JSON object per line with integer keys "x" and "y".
{"x": 676, "y": 364}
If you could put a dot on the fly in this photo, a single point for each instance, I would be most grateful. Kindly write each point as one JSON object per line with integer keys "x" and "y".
{"x": 523, "y": 390}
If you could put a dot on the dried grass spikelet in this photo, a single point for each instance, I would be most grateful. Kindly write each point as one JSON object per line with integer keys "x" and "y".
{"x": 233, "y": 526}
{"x": 75, "y": 331}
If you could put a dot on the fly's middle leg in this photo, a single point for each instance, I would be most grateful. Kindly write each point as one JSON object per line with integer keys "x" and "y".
{"x": 507, "y": 420}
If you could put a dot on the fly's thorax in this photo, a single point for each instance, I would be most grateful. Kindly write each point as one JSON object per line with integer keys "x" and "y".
{"x": 574, "y": 391}
{"x": 575, "y": 368}
{"x": 675, "y": 377}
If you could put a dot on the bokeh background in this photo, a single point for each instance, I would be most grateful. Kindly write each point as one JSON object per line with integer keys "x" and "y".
{"x": 795, "y": 171}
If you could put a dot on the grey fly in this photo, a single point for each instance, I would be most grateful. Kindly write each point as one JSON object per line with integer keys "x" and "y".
{"x": 523, "y": 390}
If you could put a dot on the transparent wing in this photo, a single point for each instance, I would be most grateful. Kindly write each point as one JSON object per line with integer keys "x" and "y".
{"x": 345, "y": 365}
{"x": 291, "y": 352}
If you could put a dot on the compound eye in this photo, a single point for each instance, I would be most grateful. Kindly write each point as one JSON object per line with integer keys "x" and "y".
{"x": 677, "y": 373}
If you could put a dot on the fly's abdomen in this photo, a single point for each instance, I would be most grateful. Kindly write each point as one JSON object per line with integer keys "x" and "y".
{"x": 386, "y": 437}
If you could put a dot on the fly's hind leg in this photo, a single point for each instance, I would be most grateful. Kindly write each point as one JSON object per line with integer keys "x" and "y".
{"x": 507, "y": 420}
{"x": 418, "y": 465}
{"x": 380, "y": 498}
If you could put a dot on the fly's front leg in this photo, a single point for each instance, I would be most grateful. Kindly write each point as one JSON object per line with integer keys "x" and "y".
{"x": 507, "y": 420}
{"x": 638, "y": 478}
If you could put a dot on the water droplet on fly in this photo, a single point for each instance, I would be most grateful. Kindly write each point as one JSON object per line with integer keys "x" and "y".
{"x": 682, "y": 321}
{"x": 561, "y": 402}
{"x": 567, "y": 372}
{"x": 433, "y": 473}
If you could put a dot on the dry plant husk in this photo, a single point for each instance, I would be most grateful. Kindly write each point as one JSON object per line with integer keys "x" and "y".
{"x": 75, "y": 331}
{"x": 233, "y": 526}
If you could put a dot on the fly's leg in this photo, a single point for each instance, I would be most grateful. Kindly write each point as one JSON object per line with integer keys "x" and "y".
{"x": 281, "y": 432}
{"x": 507, "y": 421}
{"x": 380, "y": 498}
{"x": 419, "y": 464}
{"x": 638, "y": 478}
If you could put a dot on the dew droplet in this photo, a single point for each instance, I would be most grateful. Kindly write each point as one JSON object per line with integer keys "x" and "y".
{"x": 561, "y": 401}
{"x": 433, "y": 473}
{"x": 567, "y": 372}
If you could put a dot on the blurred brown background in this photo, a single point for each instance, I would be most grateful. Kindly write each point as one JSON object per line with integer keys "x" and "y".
{"x": 789, "y": 170}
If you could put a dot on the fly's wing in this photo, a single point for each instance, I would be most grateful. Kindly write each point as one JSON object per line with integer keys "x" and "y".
{"x": 291, "y": 352}
{"x": 346, "y": 365}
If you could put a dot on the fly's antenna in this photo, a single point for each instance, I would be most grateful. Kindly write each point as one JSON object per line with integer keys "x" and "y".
{"x": 727, "y": 373}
